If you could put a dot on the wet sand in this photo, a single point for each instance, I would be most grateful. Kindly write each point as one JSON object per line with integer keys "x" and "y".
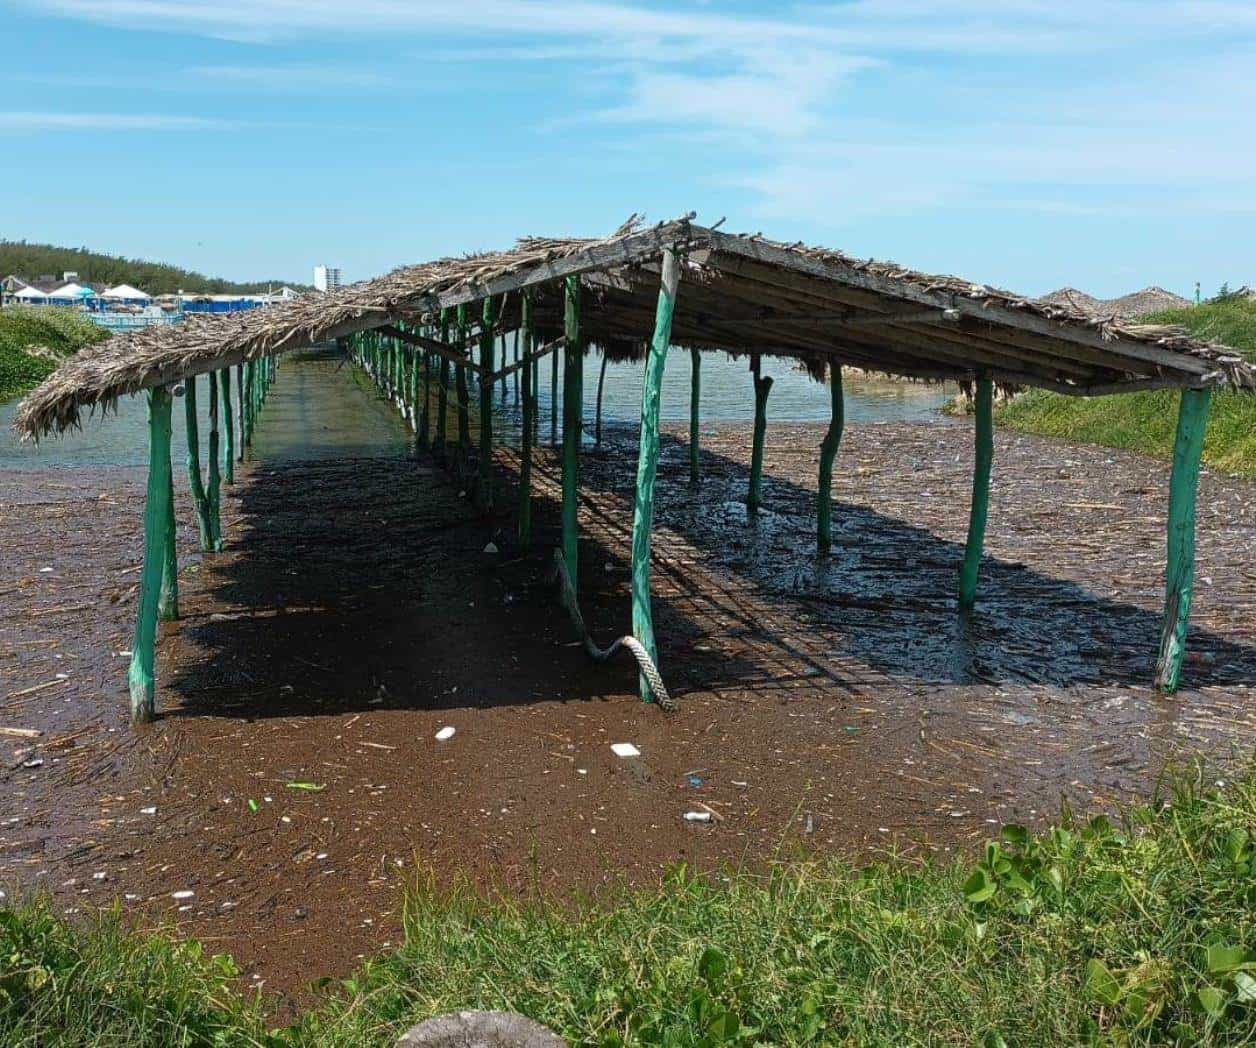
{"x": 825, "y": 704}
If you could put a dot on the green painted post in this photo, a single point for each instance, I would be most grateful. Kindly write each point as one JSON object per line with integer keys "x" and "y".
{"x": 425, "y": 407}
{"x": 828, "y": 451}
{"x": 554, "y": 399}
{"x": 505, "y": 384}
{"x": 526, "y": 437}
{"x": 460, "y": 379}
{"x": 695, "y": 399}
{"x": 228, "y": 458}
{"x": 484, "y": 489}
{"x": 1188, "y": 447}
{"x": 141, "y": 676}
{"x": 442, "y": 393}
{"x": 197, "y": 486}
{"x": 601, "y": 382}
{"x": 246, "y": 398}
{"x": 243, "y": 409}
{"x": 168, "y": 603}
{"x": 516, "y": 375}
{"x": 213, "y": 494}
{"x": 573, "y": 405}
{"x": 647, "y": 464}
{"x": 762, "y": 387}
{"x": 984, "y": 455}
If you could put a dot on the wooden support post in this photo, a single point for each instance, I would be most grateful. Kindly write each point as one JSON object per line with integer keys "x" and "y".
{"x": 695, "y": 399}
{"x": 828, "y": 451}
{"x": 156, "y": 507}
{"x": 247, "y": 406}
{"x": 554, "y": 400}
{"x": 505, "y": 384}
{"x": 762, "y": 387}
{"x": 484, "y": 489}
{"x": 460, "y": 378}
{"x": 647, "y": 464}
{"x": 573, "y": 408}
{"x": 442, "y": 393}
{"x": 601, "y": 382}
{"x": 1179, "y": 577}
{"x": 213, "y": 496}
{"x": 228, "y": 457}
{"x": 243, "y": 408}
{"x": 425, "y": 406}
{"x": 168, "y": 603}
{"x": 200, "y": 501}
{"x": 984, "y": 455}
{"x": 516, "y": 361}
{"x": 526, "y": 436}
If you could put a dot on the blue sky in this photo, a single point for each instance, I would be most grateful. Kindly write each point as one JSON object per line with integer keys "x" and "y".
{"x": 1026, "y": 143}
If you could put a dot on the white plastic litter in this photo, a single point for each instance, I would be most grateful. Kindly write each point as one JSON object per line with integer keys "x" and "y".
{"x": 182, "y": 895}
{"x": 445, "y": 734}
{"x": 491, "y": 548}
{"x": 697, "y": 816}
{"x": 625, "y": 749}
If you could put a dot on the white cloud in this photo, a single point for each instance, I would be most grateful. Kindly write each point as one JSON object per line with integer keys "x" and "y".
{"x": 16, "y": 120}
{"x": 290, "y": 77}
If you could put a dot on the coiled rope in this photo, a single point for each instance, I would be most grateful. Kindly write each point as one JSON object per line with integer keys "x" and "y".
{"x": 634, "y": 646}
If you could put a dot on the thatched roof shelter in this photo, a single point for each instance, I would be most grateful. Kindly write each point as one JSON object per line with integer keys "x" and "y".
{"x": 743, "y": 294}
{"x": 739, "y": 294}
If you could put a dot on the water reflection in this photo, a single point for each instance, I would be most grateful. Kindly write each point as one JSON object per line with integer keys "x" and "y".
{"x": 727, "y": 396}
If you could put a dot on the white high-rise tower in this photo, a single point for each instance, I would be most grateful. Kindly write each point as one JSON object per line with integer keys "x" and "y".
{"x": 326, "y": 278}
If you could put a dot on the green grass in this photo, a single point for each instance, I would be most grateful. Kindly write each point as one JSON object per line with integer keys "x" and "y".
{"x": 33, "y": 340}
{"x": 1137, "y": 934}
{"x": 1145, "y": 422}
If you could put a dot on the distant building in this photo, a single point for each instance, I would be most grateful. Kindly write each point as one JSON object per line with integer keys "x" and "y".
{"x": 326, "y": 278}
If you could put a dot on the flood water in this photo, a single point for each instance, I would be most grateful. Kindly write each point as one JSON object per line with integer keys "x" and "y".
{"x": 298, "y": 425}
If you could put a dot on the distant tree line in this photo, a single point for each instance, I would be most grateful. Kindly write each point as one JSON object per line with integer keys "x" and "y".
{"x": 32, "y": 261}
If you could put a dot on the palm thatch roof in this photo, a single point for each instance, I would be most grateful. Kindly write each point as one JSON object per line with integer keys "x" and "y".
{"x": 738, "y": 294}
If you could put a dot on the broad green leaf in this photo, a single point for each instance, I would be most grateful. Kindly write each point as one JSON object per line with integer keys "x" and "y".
{"x": 1101, "y": 984}
{"x": 1224, "y": 958}
{"x": 979, "y": 887}
{"x": 1212, "y": 1001}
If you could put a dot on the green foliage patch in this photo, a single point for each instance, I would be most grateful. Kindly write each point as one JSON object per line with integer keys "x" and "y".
{"x": 34, "y": 339}
{"x": 1140, "y": 932}
{"x": 1146, "y": 422}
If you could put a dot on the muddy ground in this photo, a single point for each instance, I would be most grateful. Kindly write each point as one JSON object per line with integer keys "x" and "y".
{"x": 825, "y": 704}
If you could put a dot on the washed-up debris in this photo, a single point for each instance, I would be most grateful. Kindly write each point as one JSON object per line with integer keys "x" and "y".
{"x": 491, "y": 548}
{"x": 185, "y": 894}
{"x": 309, "y": 787}
{"x": 446, "y": 733}
{"x": 625, "y": 749}
{"x": 149, "y": 811}
{"x": 695, "y": 782}
{"x": 253, "y": 805}
{"x": 34, "y": 762}
{"x": 21, "y": 733}
{"x": 698, "y": 816}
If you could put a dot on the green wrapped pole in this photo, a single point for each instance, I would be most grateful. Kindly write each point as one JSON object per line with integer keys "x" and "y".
{"x": 762, "y": 387}
{"x": 228, "y": 458}
{"x": 243, "y": 409}
{"x": 828, "y": 451}
{"x": 200, "y": 501}
{"x": 597, "y": 423}
{"x": 516, "y": 360}
{"x": 573, "y": 406}
{"x": 505, "y": 380}
{"x": 984, "y": 455}
{"x": 647, "y": 464}
{"x": 168, "y": 603}
{"x": 442, "y": 392}
{"x": 460, "y": 379}
{"x": 1179, "y": 577}
{"x": 695, "y": 399}
{"x": 247, "y": 397}
{"x": 526, "y": 436}
{"x": 484, "y": 489}
{"x": 141, "y": 677}
{"x": 554, "y": 408}
{"x": 425, "y": 412}
{"x": 213, "y": 493}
